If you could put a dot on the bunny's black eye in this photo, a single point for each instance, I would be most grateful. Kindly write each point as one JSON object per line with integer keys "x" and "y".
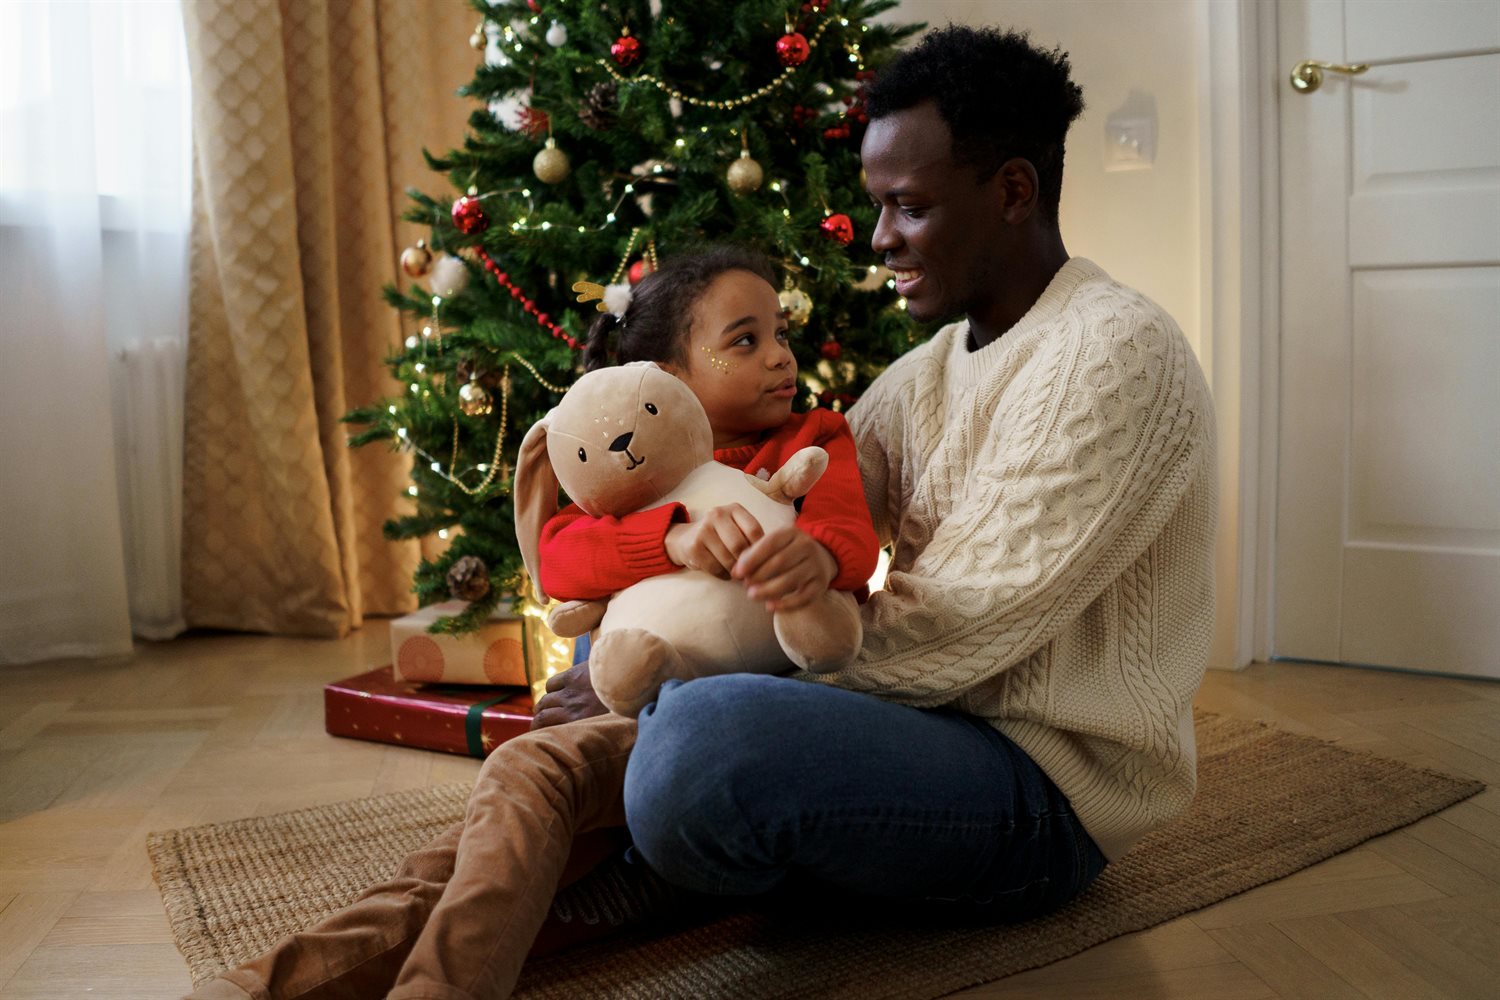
{"x": 583, "y": 456}
{"x": 651, "y": 408}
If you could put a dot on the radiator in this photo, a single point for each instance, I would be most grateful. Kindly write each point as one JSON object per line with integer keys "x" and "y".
{"x": 148, "y": 402}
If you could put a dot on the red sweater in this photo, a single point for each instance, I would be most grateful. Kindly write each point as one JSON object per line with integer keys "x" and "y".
{"x": 584, "y": 558}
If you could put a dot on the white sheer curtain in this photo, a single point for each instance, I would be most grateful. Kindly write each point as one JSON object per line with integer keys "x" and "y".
{"x": 94, "y": 213}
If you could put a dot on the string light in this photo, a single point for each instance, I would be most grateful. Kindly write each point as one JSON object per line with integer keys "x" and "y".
{"x": 521, "y": 226}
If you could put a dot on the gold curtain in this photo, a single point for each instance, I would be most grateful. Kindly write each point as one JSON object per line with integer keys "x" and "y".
{"x": 309, "y": 120}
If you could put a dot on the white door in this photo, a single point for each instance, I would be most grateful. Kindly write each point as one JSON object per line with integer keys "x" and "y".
{"x": 1388, "y": 506}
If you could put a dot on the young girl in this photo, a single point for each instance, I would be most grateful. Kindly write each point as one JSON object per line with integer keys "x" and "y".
{"x": 459, "y": 917}
{"x": 713, "y": 319}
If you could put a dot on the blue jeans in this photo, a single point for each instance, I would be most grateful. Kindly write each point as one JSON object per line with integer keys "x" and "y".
{"x": 746, "y": 783}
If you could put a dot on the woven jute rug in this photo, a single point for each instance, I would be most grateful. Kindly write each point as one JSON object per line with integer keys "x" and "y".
{"x": 1269, "y": 803}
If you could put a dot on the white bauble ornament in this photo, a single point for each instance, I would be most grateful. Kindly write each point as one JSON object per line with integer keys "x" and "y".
{"x": 557, "y": 35}
{"x": 448, "y": 276}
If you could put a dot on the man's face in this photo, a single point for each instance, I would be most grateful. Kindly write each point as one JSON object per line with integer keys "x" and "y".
{"x": 939, "y": 225}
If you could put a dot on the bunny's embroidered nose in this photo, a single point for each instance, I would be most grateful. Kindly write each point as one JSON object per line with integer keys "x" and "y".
{"x": 622, "y": 442}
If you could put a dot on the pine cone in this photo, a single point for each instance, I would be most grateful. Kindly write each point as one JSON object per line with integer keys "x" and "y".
{"x": 468, "y": 578}
{"x": 599, "y": 106}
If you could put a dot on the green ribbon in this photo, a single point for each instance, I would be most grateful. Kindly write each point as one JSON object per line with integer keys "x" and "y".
{"x": 474, "y": 725}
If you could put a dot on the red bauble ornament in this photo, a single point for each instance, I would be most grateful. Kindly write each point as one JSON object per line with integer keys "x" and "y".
{"x": 792, "y": 49}
{"x": 639, "y": 270}
{"x": 831, "y": 350}
{"x": 839, "y": 228}
{"x": 626, "y": 50}
{"x": 536, "y": 8}
{"x": 469, "y": 216}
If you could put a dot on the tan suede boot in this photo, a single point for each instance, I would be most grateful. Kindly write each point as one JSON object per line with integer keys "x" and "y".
{"x": 525, "y": 810}
{"x": 464, "y": 909}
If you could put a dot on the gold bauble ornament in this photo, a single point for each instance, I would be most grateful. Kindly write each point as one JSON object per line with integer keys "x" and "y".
{"x": 474, "y": 400}
{"x": 479, "y": 39}
{"x": 416, "y": 261}
{"x": 796, "y": 303}
{"x": 551, "y": 165}
{"x": 745, "y": 175}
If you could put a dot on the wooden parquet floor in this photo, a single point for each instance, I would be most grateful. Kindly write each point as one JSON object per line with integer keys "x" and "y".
{"x": 94, "y": 755}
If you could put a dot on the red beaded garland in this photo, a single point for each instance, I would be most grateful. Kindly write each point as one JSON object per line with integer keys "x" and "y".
{"x": 543, "y": 320}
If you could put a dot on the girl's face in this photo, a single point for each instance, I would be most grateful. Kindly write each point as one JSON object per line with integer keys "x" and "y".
{"x": 738, "y": 362}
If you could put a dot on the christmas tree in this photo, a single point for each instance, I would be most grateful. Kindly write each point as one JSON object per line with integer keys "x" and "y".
{"x": 610, "y": 134}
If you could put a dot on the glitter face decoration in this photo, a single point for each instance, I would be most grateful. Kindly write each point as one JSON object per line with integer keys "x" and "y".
{"x": 719, "y": 364}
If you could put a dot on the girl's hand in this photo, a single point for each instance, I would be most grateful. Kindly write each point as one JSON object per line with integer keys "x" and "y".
{"x": 786, "y": 569}
{"x": 715, "y": 541}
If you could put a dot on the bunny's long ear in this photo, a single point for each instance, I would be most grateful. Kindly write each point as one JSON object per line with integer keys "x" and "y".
{"x": 535, "y": 493}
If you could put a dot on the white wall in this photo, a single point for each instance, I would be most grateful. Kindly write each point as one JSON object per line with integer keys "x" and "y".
{"x": 1142, "y": 226}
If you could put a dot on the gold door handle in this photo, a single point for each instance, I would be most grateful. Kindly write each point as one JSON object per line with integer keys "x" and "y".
{"x": 1307, "y": 75}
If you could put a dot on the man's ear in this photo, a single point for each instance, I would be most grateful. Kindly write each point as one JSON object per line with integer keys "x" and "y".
{"x": 1019, "y": 189}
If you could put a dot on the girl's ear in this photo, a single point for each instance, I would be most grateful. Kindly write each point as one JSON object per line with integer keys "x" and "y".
{"x": 534, "y": 490}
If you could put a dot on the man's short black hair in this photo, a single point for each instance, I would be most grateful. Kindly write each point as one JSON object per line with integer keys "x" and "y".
{"x": 1000, "y": 96}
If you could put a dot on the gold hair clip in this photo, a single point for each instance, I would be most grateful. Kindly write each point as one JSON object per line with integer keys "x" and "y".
{"x": 612, "y": 298}
{"x": 590, "y": 292}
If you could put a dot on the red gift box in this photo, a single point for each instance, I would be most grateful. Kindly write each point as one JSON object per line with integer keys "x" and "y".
{"x": 466, "y": 720}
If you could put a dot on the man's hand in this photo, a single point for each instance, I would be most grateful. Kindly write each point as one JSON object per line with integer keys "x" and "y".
{"x": 570, "y": 696}
{"x": 786, "y": 569}
{"x": 714, "y": 541}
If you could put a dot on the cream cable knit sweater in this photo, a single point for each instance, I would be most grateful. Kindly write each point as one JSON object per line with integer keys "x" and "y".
{"x": 1051, "y": 503}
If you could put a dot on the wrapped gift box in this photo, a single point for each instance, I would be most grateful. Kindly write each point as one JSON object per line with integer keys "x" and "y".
{"x": 468, "y": 720}
{"x": 510, "y": 649}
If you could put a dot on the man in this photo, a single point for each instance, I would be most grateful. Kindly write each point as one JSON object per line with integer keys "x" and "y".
{"x": 1044, "y": 472}
{"x": 1021, "y": 712}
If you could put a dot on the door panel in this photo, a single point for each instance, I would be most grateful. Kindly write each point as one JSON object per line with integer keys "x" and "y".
{"x": 1388, "y": 506}
{"x": 1424, "y": 462}
{"x": 1425, "y": 164}
{"x": 1379, "y": 30}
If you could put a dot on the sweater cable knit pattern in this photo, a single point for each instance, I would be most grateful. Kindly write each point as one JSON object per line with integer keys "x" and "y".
{"x": 1050, "y": 503}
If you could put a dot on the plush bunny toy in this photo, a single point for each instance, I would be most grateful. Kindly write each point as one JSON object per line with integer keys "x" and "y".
{"x": 632, "y": 437}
